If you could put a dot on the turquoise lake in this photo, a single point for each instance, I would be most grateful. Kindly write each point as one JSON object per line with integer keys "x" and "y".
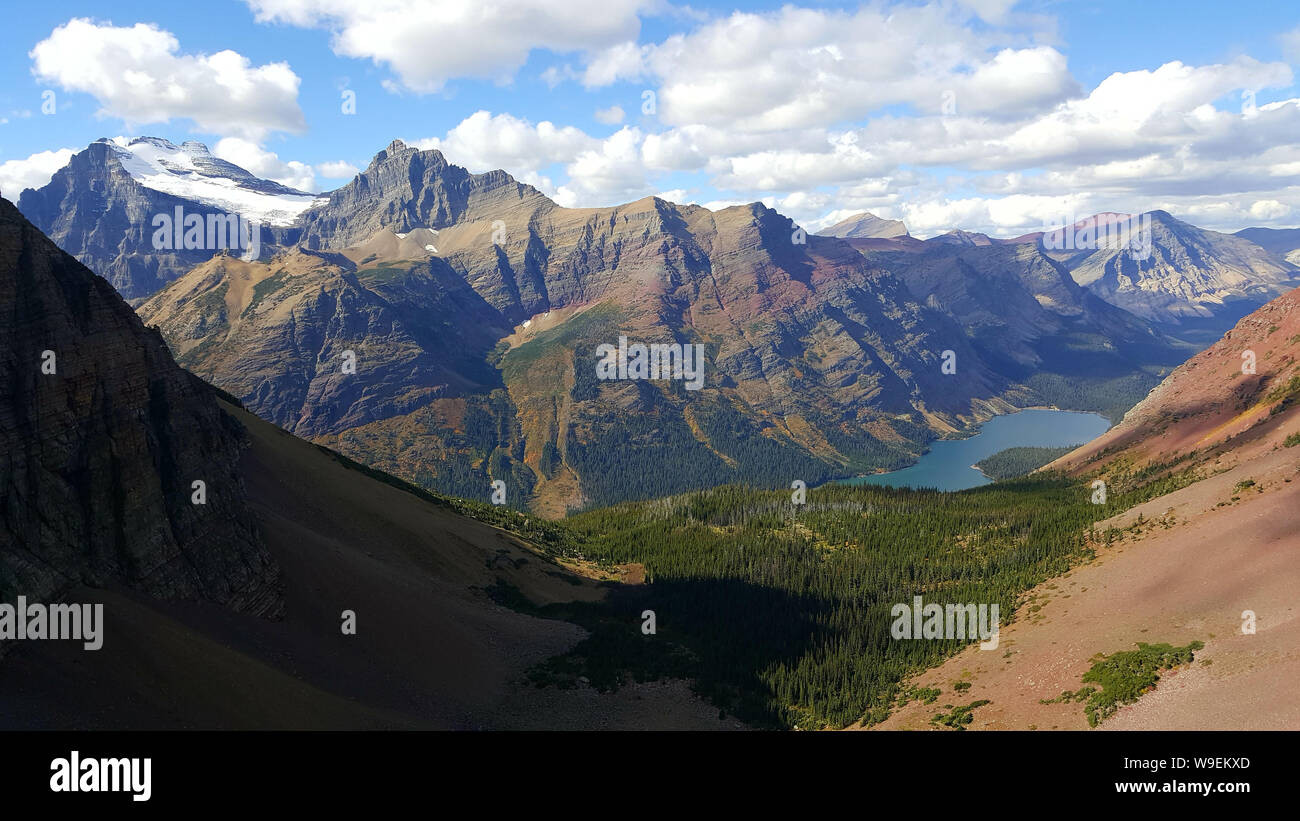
{"x": 947, "y": 466}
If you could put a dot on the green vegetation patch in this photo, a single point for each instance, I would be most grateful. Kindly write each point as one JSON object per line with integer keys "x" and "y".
{"x": 374, "y": 276}
{"x": 1013, "y": 462}
{"x": 1122, "y": 678}
{"x": 265, "y": 288}
{"x": 595, "y": 326}
{"x": 960, "y": 716}
{"x": 787, "y": 611}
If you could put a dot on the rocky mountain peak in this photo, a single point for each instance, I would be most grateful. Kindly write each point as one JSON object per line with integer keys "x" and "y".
{"x": 866, "y": 226}
{"x": 1173, "y": 272}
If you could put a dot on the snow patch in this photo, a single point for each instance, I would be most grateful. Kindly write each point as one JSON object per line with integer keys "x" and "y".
{"x": 192, "y": 172}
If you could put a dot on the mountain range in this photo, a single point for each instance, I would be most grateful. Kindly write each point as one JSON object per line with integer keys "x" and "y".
{"x": 1188, "y": 281}
{"x": 1190, "y": 277}
{"x": 229, "y": 612}
{"x": 866, "y": 226}
{"x": 444, "y": 325}
{"x": 816, "y": 362}
{"x": 467, "y": 613}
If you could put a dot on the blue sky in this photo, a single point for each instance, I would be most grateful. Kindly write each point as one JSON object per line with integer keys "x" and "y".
{"x": 989, "y": 115}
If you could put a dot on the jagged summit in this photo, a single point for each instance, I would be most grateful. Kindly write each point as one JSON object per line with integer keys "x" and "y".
{"x": 405, "y": 188}
{"x": 959, "y": 237}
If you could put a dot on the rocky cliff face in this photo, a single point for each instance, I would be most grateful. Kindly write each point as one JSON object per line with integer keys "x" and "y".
{"x": 102, "y": 438}
{"x": 97, "y": 212}
{"x": 319, "y": 344}
{"x": 817, "y": 363}
{"x": 403, "y": 189}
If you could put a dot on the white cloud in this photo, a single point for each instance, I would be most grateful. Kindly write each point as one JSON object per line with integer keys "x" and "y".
{"x": 608, "y": 174}
{"x": 266, "y": 164}
{"x": 337, "y": 170}
{"x": 842, "y": 159}
{"x": 33, "y": 172}
{"x": 624, "y": 61}
{"x": 800, "y": 68}
{"x": 484, "y": 142}
{"x": 599, "y": 172}
{"x": 428, "y": 42}
{"x": 1140, "y": 140}
{"x": 1269, "y": 210}
{"x": 958, "y": 113}
{"x": 610, "y": 116}
{"x": 137, "y": 75}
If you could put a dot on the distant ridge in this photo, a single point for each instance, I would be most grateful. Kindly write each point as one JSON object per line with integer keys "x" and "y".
{"x": 866, "y": 226}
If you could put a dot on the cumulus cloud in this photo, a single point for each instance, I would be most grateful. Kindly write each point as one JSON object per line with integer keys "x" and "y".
{"x": 1269, "y": 210}
{"x": 842, "y": 159}
{"x": 1141, "y": 139}
{"x": 607, "y": 174}
{"x": 33, "y": 172}
{"x": 799, "y": 68}
{"x": 679, "y": 195}
{"x": 960, "y": 113}
{"x": 266, "y": 164}
{"x": 598, "y": 172}
{"x": 428, "y": 42}
{"x": 484, "y": 142}
{"x": 138, "y": 74}
{"x": 337, "y": 170}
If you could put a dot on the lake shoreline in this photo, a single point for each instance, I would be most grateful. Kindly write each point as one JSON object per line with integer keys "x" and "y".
{"x": 952, "y": 464}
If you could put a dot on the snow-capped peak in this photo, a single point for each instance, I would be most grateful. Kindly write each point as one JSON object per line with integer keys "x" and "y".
{"x": 191, "y": 171}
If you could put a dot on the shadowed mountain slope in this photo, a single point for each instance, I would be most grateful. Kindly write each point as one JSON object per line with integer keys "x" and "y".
{"x": 102, "y": 438}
